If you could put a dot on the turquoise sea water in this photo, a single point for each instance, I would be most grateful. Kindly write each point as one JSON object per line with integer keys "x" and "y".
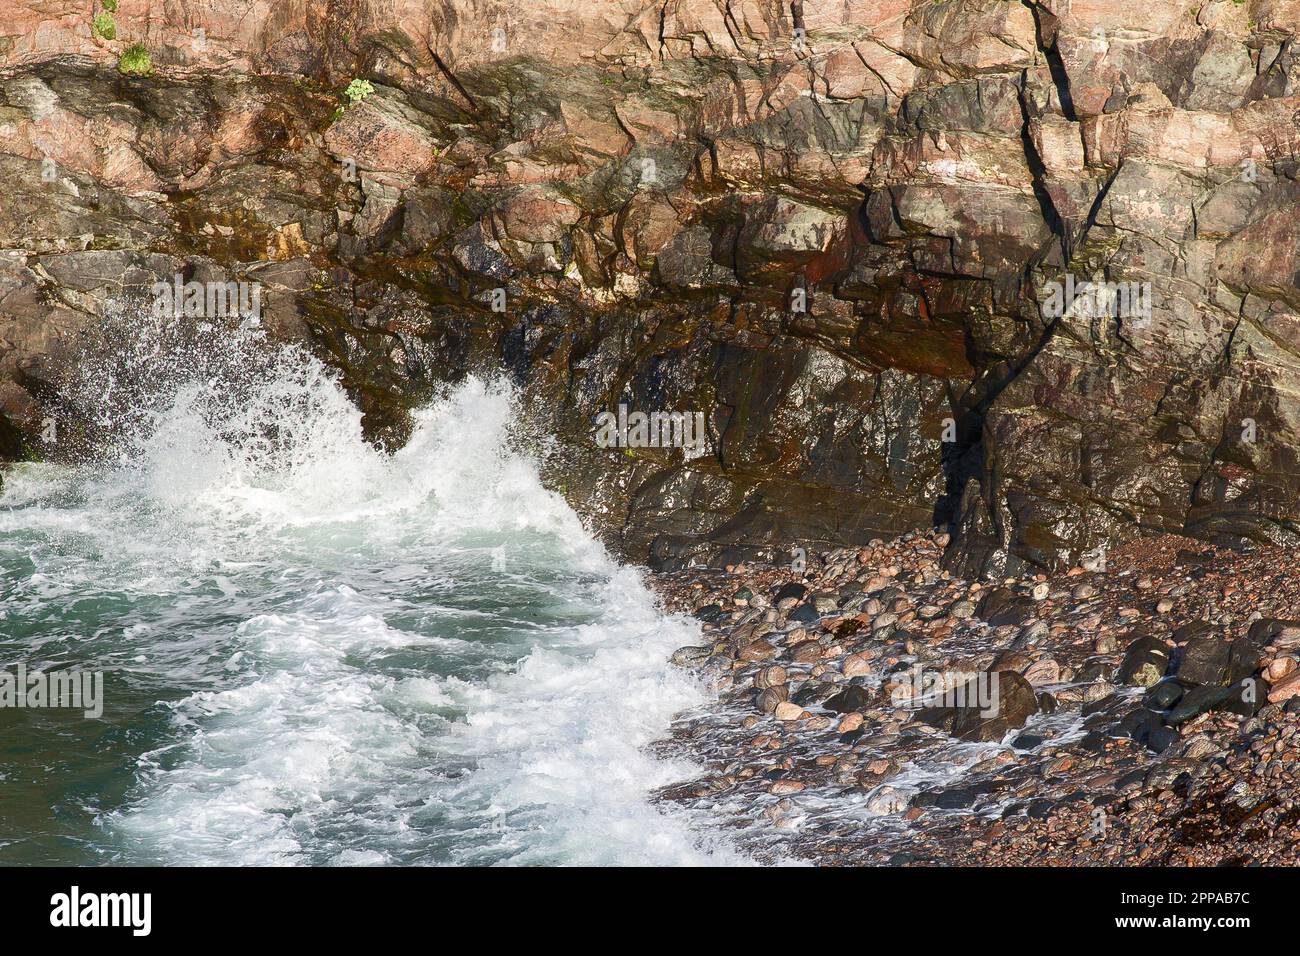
{"x": 317, "y": 653}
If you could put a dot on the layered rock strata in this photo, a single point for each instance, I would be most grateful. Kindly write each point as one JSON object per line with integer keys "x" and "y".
{"x": 843, "y": 231}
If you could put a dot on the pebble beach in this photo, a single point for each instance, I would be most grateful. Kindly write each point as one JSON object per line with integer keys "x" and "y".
{"x": 1146, "y": 708}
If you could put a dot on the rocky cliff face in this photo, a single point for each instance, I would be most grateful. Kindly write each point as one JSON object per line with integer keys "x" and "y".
{"x": 857, "y": 235}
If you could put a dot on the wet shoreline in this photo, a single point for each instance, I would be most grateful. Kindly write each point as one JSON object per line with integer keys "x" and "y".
{"x": 1136, "y": 724}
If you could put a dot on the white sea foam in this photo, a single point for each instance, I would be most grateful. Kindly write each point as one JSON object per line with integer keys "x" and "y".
{"x": 370, "y": 687}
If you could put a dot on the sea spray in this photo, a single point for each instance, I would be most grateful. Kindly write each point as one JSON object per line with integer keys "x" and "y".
{"x": 325, "y": 662}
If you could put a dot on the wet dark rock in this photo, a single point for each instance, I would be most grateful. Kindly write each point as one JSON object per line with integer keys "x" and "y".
{"x": 954, "y": 798}
{"x": 1249, "y": 697}
{"x": 1139, "y": 725}
{"x": 1095, "y": 669}
{"x": 1095, "y": 720}
{"x": 1002, "y": 606}
{"x": 850, "y": 593}
{"x": 1161, "y": 739}
{"x": 1040, "y": 809}
{"x": 1016, "y": 703}
{"x": 924, "y": 288}
{"x": 1093, "y": 742}
{"x": 1165, "y": 694}
{"x": 813, "y": 692}
{"x": 850, "y": 699}
{"x": 825, "y": 601}
{"x": 792, "y": 590}
{"x": 804, "y": 614}
{"x": 1267, "y": 629}
{"x": 1193, "y": 629}
{"x": 1198, "y": 701}
{"x": 1169, "y": 775}
{"x": 1144, "y": 662}
{"x": 1208, "y": 659}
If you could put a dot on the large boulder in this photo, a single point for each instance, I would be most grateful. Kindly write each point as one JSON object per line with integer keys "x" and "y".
{"x": 1210, "y": 660}
{"x": 986, "y": 708}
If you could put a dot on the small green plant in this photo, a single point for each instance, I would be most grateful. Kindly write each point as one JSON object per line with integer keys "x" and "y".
{"x": 357, "y": 91}
{"x": 136, "y": 61}
{"x": 110, "y": 5}
{"x": 105, "y": 26}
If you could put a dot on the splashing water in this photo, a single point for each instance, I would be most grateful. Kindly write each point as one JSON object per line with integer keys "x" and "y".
{"x": 318, "y": 653}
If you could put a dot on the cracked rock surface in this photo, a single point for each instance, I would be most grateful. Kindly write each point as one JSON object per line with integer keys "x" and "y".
{"x": 828, "y": 226}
